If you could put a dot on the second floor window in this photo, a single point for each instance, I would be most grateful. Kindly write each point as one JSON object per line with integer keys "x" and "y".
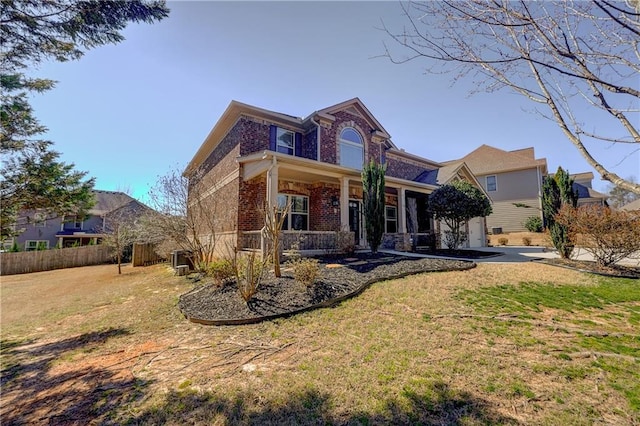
{"x": 492, "y": 183}
{"x": 351, "y": 149}
{"x": 40, "y": 220}
{"x": 72, "y": 222}
{"x": 285, "y": 141}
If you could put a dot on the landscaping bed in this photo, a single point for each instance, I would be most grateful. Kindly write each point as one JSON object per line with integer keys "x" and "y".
{"x": 339, "y": 279}
{"x": 619, "y": 271}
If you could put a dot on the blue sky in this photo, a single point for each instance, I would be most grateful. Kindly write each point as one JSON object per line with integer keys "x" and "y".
{"x": 130, "y": 112}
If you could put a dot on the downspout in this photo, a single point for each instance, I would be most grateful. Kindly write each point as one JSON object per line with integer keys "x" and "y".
{"x": 539, "y": 176}
{"x": 317, "y": 136}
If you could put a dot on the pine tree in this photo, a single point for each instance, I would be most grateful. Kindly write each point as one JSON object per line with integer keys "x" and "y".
{"x": 373, "y": 203}
{"x": 557, "y": 190}
{"x": 32, "y": 176}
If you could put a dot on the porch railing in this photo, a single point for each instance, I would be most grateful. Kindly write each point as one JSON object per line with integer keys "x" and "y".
{"x": 293, "y": 240}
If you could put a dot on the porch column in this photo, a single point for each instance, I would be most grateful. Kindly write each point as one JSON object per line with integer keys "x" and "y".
{"x": 272, "y": 185}
{"x": 402, "y": 211}
{"x": 344, "y": 204}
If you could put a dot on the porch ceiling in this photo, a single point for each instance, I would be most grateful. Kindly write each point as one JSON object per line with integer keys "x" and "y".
{"x": 309, "y": 171}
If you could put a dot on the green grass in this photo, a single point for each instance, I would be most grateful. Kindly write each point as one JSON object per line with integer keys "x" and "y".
{"x": 606, "y": 314}
{"x": 528, "y": 298}
{"x": 411, "y": 351}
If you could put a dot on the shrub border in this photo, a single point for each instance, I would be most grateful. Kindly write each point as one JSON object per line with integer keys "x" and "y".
{"x": 325, "y": 304}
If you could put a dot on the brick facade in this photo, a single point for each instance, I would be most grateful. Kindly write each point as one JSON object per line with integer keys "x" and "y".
{"x": 323, "y": 216}
{"x": 242, "y": 201}
{"x": 403, "y": 168}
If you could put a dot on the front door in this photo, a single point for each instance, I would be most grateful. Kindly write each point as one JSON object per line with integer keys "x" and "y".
{"x": 354, "y": 220}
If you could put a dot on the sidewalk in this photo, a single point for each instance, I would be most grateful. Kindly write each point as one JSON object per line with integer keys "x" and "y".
{"x": 514, "y": 254}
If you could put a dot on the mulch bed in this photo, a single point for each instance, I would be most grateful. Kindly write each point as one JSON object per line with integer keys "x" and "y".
{"x": 618, "y": 271}
{"x": 340, "y": 278}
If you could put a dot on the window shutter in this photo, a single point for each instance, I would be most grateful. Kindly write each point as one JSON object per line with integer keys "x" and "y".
{"x": 272, "y": 137}
{"x": 298, "y": 145}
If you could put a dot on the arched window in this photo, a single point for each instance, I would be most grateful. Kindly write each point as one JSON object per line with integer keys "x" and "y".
{"x": 351, "y": 148}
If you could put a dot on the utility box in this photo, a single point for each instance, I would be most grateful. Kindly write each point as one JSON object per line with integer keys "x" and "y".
{"x": 180, "y": 258}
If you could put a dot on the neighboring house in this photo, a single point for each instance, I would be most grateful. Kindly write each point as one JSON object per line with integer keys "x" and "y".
{"x": 45, "y": 232}
{"x": 586, "y": 194}
{"x": 254, "y": 157}
{"x": 513, "y": 181}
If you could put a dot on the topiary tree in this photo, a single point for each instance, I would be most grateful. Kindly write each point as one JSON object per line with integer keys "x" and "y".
{"x": 373, "y": 203}
{"x": 557, "y": 190}
{"x": 455, "y": 204}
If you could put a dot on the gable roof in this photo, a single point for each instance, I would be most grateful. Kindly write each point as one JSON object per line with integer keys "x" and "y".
{"x": 235, "y": 109}
{"x": 447, "y": 173}
{"x": 488, "y": 159}
{"x": 107, "y": 201}
{"x": 355, "y": 107}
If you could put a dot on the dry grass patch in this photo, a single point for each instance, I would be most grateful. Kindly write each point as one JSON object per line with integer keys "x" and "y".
{"x": 441, "y": 348}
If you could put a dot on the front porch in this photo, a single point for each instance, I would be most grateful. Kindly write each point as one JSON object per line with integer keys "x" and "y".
{"x": 326, "y": 212}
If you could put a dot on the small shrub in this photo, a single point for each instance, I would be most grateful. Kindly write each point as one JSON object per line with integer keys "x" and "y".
{"x": 533, "y": 224}
{"x": 503, "y": 241}
{"x": 526, "y": 241}
{"x": 305, "y": 270}
{"x": 221, "y": 270}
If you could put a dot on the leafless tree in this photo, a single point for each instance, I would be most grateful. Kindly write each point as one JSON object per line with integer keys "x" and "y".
{"x": 185, "y": 216}
{"x": 570, "y": 57}
{"x": 274, "y": 218}
{"x": 121, "y": 229}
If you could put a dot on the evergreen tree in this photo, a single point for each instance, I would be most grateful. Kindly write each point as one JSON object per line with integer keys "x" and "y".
{"x": 373, "y": 203}
{"x": 31, "y": 31}
{"x": 557, "y": 190}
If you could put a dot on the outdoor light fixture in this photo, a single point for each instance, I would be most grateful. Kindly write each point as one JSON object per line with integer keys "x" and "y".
{"x": 334, "y": 201}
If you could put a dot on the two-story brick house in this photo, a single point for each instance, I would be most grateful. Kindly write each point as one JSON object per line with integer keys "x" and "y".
{"x": 254, "y": 157}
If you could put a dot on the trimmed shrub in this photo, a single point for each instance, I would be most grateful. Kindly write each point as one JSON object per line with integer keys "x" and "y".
{"x": 533, "y": 224}
{"x": 221, "y": 271}
{"x": 305, "y": 270}
{"x": 526, "y": 241}
{"x": 503, "y": 241}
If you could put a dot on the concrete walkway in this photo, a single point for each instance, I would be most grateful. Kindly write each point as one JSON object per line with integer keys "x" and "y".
{"x": 511, "y": 254}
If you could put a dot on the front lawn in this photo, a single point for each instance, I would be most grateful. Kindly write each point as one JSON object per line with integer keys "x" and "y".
{"x": 498, "y": 344}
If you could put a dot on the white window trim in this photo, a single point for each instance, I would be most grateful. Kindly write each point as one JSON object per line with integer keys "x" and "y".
{"x": 39, "y": 220}
{"x": 75, "y": 222}
{"x": 351, "y": 143}
{"x": 279, "y": 132}
{"x": 387, "y": 220}
{"x": 291, "y": 212}
{"x": 486, "y": 180}
{"x": 37, "y": 243}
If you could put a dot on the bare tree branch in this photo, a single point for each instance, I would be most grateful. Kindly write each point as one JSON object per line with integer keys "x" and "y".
{"x": 571, "y": 56}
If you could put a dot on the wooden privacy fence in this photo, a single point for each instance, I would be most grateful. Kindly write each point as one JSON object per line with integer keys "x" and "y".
{"x": 144, "y": 255}
{"x": 46, "y": 260}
